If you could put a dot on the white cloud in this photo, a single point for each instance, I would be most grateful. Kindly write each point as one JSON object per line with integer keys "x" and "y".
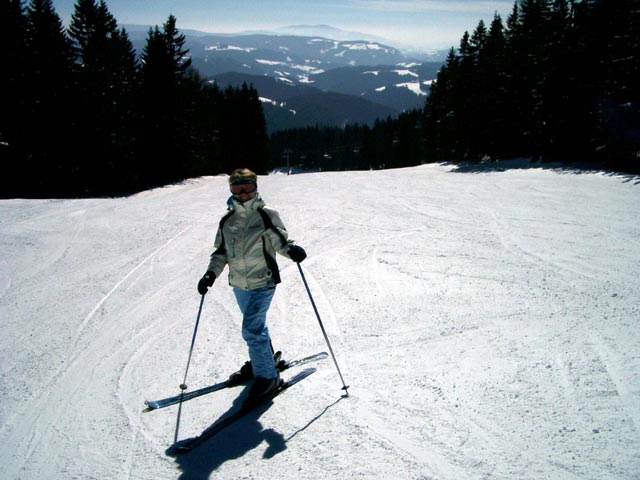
{"x": 458, "y": 6}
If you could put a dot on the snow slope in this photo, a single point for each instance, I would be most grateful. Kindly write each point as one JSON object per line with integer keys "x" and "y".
{"x": 486, "y": 322}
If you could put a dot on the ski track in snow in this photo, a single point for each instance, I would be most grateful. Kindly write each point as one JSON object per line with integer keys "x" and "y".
{"x": 56, "y": 398}
{"x": 616, "y": 371}
{"x": 124, "y": 279}
{"x": 487, "y": 328}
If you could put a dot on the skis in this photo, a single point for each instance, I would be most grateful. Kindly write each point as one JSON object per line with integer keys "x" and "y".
{"x": 183, "y": 397}
{"x": 185, "y": 446}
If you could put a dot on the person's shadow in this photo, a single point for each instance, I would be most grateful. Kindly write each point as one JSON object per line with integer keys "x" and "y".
{"x": 232, "y": 442}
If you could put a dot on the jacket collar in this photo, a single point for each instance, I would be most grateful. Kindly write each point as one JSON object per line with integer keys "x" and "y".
{"x": 253, "y": 204}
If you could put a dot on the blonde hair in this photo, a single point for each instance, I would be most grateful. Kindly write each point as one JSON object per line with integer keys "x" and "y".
{"x": 242, "y": 174}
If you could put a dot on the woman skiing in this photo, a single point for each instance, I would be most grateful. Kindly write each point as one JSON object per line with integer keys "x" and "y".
{"x": 248, "y": 237}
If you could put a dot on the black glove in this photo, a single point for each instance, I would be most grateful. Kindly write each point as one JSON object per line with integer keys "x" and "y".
{"x": 297, "y": 253}
{"x": 205, "y": 282}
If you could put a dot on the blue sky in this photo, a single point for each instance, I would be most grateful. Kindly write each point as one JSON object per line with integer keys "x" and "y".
{"x": 429, "y": 24}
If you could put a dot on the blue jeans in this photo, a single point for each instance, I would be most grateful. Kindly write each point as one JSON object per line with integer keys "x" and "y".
{"x": 254, "y": 305}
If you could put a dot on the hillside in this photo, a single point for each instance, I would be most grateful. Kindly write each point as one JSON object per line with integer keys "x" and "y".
{"x": 287, "y": 106}
{"x": 487, "y": 323}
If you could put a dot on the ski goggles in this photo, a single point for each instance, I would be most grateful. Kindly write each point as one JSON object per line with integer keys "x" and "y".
{"x": 243, "y": 186}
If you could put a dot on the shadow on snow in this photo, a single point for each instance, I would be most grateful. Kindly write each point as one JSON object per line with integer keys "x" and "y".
{"x": 236, "y": 440}
{"x": 527, "y": 163}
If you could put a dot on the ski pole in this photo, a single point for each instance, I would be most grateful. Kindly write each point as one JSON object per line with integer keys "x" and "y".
{"x": 345, "y": 387}
{"x": 183, "y": 385}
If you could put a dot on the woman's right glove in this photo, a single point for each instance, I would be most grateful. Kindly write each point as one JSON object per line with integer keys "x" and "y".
{"x": 205, "y": 282}
{"x": 297, "y": 253}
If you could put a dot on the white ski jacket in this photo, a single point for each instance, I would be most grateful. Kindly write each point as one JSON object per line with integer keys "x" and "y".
{"x": 248, "y": 237}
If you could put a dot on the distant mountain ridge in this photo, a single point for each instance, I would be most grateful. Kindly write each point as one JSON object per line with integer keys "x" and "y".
{"x": 355, "y": 81}
{"x": 286, "y": 106}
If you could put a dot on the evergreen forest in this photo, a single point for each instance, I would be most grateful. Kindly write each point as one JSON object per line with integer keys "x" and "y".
{"x": 83, "y": 114}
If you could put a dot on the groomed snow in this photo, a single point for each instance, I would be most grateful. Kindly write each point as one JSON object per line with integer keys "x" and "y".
{"x": 487, "y": 323}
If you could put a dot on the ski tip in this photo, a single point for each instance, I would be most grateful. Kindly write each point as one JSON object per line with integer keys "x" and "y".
{"x": 149, "y": 406}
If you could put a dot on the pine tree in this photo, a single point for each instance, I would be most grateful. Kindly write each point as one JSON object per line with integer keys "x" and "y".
{"x": 178, "y": 55}
{"x": 480, "y": 94}
{"x": 13, "y": 121}
{"x": 47, "y": 98}
{"x": 244, "y": 130}
{"x": 203, "y": 104}
{"x": 464, "y": 88}
{"x": 534, "y": 31}
{"x": 440, "y": 113}
{"x": 164, "y": 130}
{"x": 106, "y": 71}
{"x": 516, "y": 94}
{"x": 496, "y": 110}
{"x": 565, "y": 120}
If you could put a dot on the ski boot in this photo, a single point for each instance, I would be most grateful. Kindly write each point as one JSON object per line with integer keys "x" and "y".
{"x": 246, "y": 372}
{"x": 261, "y": 388}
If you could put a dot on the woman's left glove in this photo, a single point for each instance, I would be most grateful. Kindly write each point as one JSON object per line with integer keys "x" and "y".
{"x": 297, "y": 253}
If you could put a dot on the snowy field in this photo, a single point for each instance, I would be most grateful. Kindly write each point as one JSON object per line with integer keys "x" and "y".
{"x": 487, "y": 323}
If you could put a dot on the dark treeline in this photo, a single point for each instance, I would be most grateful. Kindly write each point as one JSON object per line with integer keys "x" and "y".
{"x": 558, "y": 81}
{"x": 388, "y": 143}
{"x": 83, "y": 115}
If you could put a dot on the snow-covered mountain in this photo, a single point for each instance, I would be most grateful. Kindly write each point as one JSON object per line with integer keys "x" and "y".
{"x": 297, "y": 106}
{"x": 306, "y": 54}
{"x": 486, "y": 322}
{"x": 369, "y": 71}
{"x": 372, "y": 71}
{"x": 270, "y": 53}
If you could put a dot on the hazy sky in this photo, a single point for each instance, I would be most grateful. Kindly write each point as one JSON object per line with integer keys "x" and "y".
{"x": 426, "y": 23}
